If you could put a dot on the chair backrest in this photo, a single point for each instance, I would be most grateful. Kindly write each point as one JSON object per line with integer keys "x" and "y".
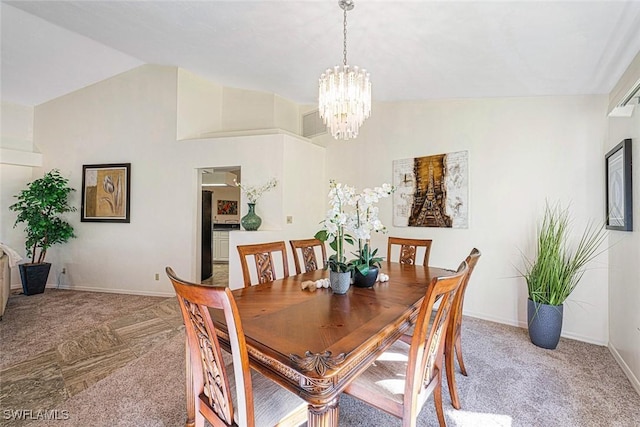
{"x": 263, "y": 257}
{"x": 427, "y": 342}
{"x": 208, "y": 370}
{"x": 307, "y": 249}
{"x": 458, "y": 300}
{"x": 409, "y": 249}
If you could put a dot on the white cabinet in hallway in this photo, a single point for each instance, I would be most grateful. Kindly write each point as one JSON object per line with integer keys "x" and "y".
{"x": 220, "y": 245}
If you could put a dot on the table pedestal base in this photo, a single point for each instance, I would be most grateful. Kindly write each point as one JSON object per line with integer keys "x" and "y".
{"x": 323, "y": 415}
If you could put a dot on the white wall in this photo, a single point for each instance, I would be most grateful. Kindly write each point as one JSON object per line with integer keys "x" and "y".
{"x": 199, "y": 106}
{"x": 624, "y": 265}
{"x": 206, "y": 108}
{"x": 624, "y": 255}
{"x": 132, "y": 118}
{"x": 521, "y": 152}
{"x": 299, "y": 167}
{"x": 17, "y": 136}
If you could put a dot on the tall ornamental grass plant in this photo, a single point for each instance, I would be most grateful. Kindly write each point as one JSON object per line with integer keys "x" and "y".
{"x": 556, "y": 270}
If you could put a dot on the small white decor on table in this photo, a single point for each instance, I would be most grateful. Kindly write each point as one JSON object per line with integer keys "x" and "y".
{"x": 312, "y": 286}
{"x": 383, "y": 277}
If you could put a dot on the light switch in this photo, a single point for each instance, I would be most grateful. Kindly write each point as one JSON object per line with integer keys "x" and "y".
{"x": 289, "y": 219}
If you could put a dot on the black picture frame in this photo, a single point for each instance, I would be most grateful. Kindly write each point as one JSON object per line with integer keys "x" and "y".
{"x": 619, "y": 203}
{"x": 106, "y": 193}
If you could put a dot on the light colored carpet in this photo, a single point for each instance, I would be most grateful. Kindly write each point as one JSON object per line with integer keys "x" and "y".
{"x": 511, "y": 383}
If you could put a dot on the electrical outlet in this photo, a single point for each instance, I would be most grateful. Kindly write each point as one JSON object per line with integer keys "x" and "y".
{"x": 64, "y": 270}
{"x": 157, "y": 276}
{"x": 289, "y": 219}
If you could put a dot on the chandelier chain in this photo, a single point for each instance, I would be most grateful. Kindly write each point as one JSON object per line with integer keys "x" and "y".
{"x": 344, "y": 44}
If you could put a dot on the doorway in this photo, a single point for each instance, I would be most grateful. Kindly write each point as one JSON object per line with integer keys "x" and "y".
{"x": 220, "y": 199}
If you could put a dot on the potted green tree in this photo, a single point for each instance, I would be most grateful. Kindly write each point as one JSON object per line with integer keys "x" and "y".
{"x": 40, "y": 207}
{"x": 554, "y": 273}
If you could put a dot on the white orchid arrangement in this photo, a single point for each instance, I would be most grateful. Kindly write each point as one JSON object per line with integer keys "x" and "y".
{"x": 361, "y": 220}
{"x": 254, "y": 192}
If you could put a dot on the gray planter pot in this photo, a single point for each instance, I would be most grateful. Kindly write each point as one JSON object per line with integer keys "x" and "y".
{"x": 340, "y": 282}
{"x": 545, "y": 324}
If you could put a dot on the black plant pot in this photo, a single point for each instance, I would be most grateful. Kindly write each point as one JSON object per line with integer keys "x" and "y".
{"x": 365, "y": 281}
{"x": 34, "y": 277}
{"x": 545, "y": 324}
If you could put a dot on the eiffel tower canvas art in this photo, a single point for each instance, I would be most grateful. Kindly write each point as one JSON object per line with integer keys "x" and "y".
{"x": 432, "y": 191}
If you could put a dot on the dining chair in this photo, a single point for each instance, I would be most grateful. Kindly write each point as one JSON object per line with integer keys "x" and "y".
{"x": 453, "y": 339}
{"x": 401, "y": 380}
{"x": 307, "y": 249}
{"x": 263, "y": 257}
{"x": 409, "y": 249}
{"x": 227, "y": 394}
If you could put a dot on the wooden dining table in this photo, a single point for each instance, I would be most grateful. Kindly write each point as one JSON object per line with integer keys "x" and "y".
{"x": 314, "y": 343}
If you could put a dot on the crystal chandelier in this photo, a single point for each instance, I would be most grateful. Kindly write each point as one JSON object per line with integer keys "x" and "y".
{"x": 344, "y": 98}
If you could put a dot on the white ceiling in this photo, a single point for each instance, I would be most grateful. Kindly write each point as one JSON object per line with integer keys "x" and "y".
{"x": 414, "y": 50}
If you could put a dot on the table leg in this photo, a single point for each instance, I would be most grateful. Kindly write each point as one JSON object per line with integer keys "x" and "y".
{"x": 324, "y": 415}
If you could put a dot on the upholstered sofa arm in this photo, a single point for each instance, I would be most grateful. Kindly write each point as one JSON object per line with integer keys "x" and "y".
{"x": 5, "y": 281}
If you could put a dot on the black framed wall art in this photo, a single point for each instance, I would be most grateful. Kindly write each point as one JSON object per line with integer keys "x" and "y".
{"x": 619, "y": 187}
{"x": 106, "y": 193}
{"x": 227, "y": 207}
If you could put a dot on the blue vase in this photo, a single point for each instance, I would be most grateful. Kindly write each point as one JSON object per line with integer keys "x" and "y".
{"x": 251, "y": 221}
{"x": 365, "y": 281}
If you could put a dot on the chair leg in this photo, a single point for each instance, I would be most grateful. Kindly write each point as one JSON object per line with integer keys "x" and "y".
{"x": 458, "y": 350}
{"x": 437, "y": 400}
{"x": 451, "y": 378}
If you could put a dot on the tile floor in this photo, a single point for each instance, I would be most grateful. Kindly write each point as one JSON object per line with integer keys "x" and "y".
{"x": 51, "y": 376}
{"x": 48, "y": 378}
{"x": 220, "y": 276}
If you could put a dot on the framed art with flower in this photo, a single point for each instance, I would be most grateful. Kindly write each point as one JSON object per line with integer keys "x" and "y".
{"x": 106, "y": 193}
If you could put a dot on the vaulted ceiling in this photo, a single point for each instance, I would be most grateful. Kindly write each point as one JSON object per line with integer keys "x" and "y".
{"x": 414, "y": 49}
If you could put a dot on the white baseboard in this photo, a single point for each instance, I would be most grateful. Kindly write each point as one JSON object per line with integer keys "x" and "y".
{"x": 490, "y": 318}
{"x": 105, "y": 290}
{"x": 583, "y": 338}
{"x": 523, "y": 324}
{"x": 114, "y": 291}
{"x": 625, "y": 368}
